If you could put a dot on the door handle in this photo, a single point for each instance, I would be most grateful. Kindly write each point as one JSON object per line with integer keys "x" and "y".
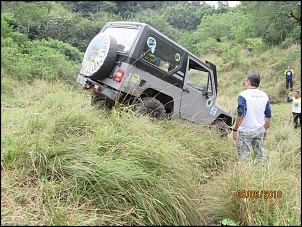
{"x": 186, "y": 90}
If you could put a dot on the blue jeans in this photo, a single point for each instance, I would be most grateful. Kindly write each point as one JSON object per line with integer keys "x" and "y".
{"x": 248, "y": 141}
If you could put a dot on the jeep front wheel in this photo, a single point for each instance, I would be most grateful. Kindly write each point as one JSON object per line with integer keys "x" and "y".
{"x": 152, "y": 107}
{"x": 221, "y": 127}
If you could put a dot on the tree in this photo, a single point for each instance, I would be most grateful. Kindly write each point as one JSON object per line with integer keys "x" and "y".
{"x": 278, "y": 19}
{"x": 31, "y": 16}
{"x": 184, "y": 16}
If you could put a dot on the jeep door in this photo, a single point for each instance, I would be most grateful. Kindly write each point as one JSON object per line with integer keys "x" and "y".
{"x": 197, "y": 94}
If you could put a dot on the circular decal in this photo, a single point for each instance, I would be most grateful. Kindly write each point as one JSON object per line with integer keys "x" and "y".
{"x": 95, "y": 54}
{"x": 135, "y": 78}
{"x": 151, "y": 42}
{"x": 177, "y": 57}
{"x": 209, "y": 102}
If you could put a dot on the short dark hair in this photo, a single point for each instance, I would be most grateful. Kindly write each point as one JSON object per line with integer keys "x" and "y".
{"x": 254, "y": 79}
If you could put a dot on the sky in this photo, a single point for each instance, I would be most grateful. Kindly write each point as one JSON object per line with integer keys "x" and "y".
{"x": 231, "y": 3}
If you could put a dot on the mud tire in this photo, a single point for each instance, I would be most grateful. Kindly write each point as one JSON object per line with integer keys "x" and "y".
{"x": 151, "y": 107}
{"x": 221, "y": 127}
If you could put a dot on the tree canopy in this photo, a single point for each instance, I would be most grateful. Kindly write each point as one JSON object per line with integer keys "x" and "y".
{"x": 192, "y": 23}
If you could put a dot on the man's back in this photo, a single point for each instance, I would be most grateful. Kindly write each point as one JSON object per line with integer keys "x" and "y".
{"x": 256, "y": 102}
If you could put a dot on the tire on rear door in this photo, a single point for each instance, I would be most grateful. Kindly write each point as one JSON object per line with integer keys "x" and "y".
{"x": 99, "y": 57}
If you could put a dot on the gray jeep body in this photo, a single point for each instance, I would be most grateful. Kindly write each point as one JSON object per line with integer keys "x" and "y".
{"x": 133, "y": 63}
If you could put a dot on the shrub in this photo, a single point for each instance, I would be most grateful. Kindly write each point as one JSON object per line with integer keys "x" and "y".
{"x": 66, "y": 49}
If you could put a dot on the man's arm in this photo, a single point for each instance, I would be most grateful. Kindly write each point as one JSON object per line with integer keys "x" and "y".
{"x": 241, "y": 110}
{"x": 289, "y": 99}
{"x": 267, "y": 118}
{"x": 237, "y": 123}
{"x": 267, "y": 122}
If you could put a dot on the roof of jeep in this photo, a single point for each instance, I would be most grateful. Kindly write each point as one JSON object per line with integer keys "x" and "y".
{"x": 147, "y": 26}
{"x": 144, "y": 25}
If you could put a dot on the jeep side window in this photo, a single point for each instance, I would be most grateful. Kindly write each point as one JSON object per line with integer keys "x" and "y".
{"x": 198, "y": 77}
{"x": 160, "y": 53}
{"x": 125, "y": 37}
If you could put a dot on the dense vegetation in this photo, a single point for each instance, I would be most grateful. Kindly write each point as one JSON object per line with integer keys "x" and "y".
{"x": 63, "y": 162}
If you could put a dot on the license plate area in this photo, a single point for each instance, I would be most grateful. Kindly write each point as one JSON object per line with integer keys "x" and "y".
{"x": 82, "y": 80}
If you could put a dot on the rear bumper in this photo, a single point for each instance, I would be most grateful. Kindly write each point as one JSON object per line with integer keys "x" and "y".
{"x": 104, "y": 91}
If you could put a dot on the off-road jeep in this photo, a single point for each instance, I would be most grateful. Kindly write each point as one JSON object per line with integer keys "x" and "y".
{"x": 134, "y": 64}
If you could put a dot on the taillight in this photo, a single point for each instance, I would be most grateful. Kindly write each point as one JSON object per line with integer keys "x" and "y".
{"x": 119, "y": 75}
{"x": 96, "y": 88}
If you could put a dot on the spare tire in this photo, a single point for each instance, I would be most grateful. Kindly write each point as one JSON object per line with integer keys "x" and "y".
{"x": 99, "y": 57}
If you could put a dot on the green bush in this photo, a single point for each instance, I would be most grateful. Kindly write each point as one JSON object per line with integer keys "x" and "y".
{"x": 6, "y": 29}
{"x": 48, "y": 63}
{"x": 69, "y": 51}
{"x": 36, "y": 61}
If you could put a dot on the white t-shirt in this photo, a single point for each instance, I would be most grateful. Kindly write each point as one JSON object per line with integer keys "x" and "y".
{"x": 296, "y": 105}
{"x": 254, "y": 105}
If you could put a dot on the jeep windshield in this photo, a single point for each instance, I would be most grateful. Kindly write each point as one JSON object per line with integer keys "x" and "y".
{"x": 125, "y": 37}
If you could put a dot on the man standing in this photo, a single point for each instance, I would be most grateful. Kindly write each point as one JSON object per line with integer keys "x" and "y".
{"x": 252, "y": 121}
{"x": 249, "y": 49}
{"x": 289, "y": 76}
{"x": 296, "y": 107}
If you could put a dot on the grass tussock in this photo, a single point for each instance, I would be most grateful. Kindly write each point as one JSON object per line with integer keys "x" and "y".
{"x": 69, "y": 163}
{"x": 65, "y": 162}
{"x": 271, "y": 208}
{"x": 112, "y": 162}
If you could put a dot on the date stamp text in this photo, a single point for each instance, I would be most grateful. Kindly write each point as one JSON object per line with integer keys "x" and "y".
{"x": 259, "y": 194}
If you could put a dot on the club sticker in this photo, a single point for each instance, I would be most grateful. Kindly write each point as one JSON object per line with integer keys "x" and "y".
{"x": 209, "y": 102}
{"x": 151, "y": 42}
{"x": 177, "y": 57}
{"x": 135, "y": 78}
{"x": 213, "y": 110}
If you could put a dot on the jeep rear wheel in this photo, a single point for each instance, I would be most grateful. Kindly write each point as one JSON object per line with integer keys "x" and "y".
{"x": 152, "y": 107}
{"x": 99, "y": 57}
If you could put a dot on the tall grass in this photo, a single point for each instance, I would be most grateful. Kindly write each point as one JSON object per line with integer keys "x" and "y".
{"x": 115, "y": 163}
{"x": 65, "y": 162}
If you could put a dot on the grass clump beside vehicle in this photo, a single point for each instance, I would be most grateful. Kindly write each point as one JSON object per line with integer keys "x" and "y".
{"x": 66, "y": 162}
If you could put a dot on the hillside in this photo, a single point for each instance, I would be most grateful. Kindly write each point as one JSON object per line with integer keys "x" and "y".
{"x": 66, "y": 162}
{"x": 270, "y": 64}
{"x": 63, "y": 162}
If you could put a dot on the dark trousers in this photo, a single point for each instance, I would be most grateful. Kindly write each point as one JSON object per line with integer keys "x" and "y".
{"x": 289, "y": 83}
{"x": 296, "y": 116}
